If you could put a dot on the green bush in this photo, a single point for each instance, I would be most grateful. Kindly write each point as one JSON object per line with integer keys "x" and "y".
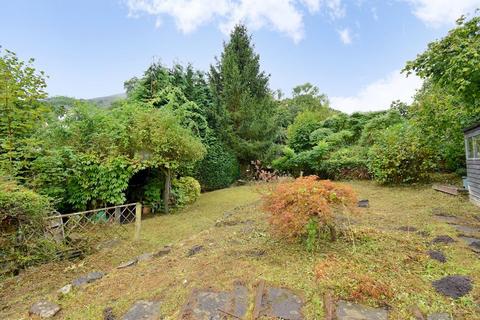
{"x": 152, "y": 192}
{"x": 307, "y": 162}
{"x": 340, "y": 138}
{"x": 345, "y": 163}
{"x": 22, "y": 238}
{"x": 344, "y": 169}
{"x": 298, "y": 133}
{"x": 375, "y": 126}
{"x": 320, "y": 134}
{"x": 219, "y": 169}
{"x": 185, "y": 190}
{"x": 401, "y": 155}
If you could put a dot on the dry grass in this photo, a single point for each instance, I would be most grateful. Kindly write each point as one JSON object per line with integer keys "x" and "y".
{"x": 375, "y": 263}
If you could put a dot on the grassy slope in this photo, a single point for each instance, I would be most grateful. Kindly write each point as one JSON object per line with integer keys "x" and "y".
{"x": 374, "y": 264}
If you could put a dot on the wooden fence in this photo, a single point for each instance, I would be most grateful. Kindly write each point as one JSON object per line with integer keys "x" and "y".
{"x": 71, "y": 235}
{"x": 61, "y": 227}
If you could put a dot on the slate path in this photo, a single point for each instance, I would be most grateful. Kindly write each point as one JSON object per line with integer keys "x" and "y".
{"x": 144, "y": 310}
{"x": 351, "y": 311}
{"x": 44, "y": 309}
{"x": 281, "y": 303}
{"x": 276, "y": 303}
{"x": 214, "y": 305}
{"x": 88, "y": 278}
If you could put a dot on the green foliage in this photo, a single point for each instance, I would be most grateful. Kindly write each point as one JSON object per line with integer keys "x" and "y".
{"x": 452, "y": 62}
{"x": 306, "y": 161}
{"x": 185, "y": 191}
{"x": 21, "y": 110}
{"x": 377, "y": 125}
{"x": 442, "y": 118}
{"x": 346, "y": 163}
{"x": 401, "y": 155}
{"x": 245, "y": 111}
{"x": 340, "y": 138}
{"x": 21, "y": 224}
{"x": 159, "y": 140}
{"x": 219, "y": 168}
{"x": 320, "y": 134}
{"x": 21, "y": 203}
{"x": 312, "y": 234}
{"x": 94, "y": 182}
{"x": 299, "y": 131}
{"x": 152, "y": 191}
{"x": 305, "y": 97}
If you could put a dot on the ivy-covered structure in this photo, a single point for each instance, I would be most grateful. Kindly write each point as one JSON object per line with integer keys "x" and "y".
{"x": 472, "y": 152}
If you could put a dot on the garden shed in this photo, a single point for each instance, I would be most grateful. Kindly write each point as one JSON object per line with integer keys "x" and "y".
{"x": 472, "y": 152}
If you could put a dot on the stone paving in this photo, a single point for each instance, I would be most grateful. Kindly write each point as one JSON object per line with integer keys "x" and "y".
{"x": 144, "y": 310}
{"x": 351, "y": 311}
{"x": 217, "y": 305}
{"x": 44, "y": 309}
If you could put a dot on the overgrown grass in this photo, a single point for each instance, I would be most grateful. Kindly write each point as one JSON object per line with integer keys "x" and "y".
{"x": 374, "y": 263}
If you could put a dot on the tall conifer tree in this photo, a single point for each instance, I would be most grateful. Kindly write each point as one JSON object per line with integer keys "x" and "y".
{"x": 244, "y": 108}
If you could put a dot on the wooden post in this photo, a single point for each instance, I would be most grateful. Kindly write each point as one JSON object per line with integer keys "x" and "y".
{"x": 138, "y": 220}
{"x": 166, "y": 191}
{"x": 117, "y": 215}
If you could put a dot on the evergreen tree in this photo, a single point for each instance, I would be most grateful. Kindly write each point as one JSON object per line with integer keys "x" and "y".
{"x": 245, "y": 113}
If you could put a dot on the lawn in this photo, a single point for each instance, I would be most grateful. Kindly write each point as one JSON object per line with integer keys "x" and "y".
{"x": 373, "y": 263}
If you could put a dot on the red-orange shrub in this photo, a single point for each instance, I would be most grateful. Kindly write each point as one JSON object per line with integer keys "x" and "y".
{"x": 292, "y": 205}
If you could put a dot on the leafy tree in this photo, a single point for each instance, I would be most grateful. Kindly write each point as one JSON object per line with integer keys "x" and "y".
{"x": 377, "y": 125}
{"x": 245, "y": 110}
{"x": 305, "y": 97}
{"x": 452, "y": 62}
{"x": 401, "y": 155}
{"x": 21, "y": 88}
{"x": 442, "y": 118}
{"x": 160, "y": 141}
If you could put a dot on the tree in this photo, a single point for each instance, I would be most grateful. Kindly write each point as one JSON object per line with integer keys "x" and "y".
{"x": 245, "y": 111}
{"x": 21, "y": 88}
{"x": 159, "y": 140}
{"x": 305, "y": 97}
{"x": 453, "y": 62}
{"x": 401, "y": 154}
{"x": 442, "y": 118}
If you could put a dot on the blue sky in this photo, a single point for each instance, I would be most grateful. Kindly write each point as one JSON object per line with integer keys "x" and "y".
{"x": 352, "y": 50}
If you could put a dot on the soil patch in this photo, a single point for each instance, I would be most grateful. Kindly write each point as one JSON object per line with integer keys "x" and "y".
{"x": 453, "y": 286}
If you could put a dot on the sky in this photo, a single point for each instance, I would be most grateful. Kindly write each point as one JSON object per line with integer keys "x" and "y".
{"x": 353, "y": 50}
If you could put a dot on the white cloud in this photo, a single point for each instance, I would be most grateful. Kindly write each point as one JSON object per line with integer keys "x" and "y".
{"x": 374, "y": 13}
{"x": 285, "y": 16}
{"x": 345, "y": 36}
{"x": 379, "y": 94}
{"x": 436, "y": 13}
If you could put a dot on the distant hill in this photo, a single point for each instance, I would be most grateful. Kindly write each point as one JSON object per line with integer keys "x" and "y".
{"x": 106, "y": 102}
{"x": 102, "y": 102}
